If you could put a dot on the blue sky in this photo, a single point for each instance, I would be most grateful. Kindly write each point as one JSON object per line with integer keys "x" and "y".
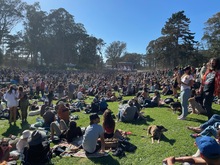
{"x": 135, "y": 22}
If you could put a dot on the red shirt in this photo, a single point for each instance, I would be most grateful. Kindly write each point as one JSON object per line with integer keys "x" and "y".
{"x": 109, "y": 130}
{"x": 217, "y": 84}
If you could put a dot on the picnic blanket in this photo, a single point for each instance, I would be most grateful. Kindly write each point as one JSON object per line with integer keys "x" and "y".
{"x": 82, "y": 154}
{"x": 65, "y": 149}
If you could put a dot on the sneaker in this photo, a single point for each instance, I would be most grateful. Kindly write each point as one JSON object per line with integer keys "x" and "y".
{"x": 195, "y": 135}
{"x": 181, "y": 118}
{"x": 119, "y": 152}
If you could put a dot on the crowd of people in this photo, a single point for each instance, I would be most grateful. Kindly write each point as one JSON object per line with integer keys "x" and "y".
{"x": 63, "y": 92}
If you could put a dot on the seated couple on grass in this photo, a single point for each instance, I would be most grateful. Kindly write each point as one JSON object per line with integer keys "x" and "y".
{"x": 62, "y": 131}
{"x": 128, "y": 112}
{"x": 95, "y": 134}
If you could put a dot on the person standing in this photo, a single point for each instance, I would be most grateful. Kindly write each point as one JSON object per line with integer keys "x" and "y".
{"x": 186, "y": 82}
{"x": 210, "y": 86}
{"x": 71, "y": 89}
{"x": 50, "y": 94}
{"x": 42, "y": 87}
{"x": 11, "y": 97}
{"x": 24, "y": 103}
{"x": 60, "y": 90}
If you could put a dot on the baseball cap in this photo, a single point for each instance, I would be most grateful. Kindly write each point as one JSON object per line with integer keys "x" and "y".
{"x": 93, "y": 116}
{"x": 208, "y": 147}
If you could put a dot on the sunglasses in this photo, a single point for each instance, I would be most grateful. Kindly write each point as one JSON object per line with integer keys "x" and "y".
{"x": 4, "y": 145}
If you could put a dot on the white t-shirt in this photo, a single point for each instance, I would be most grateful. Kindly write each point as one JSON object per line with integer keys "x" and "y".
{"x": 11, "y": 99}
{"x": 186, "y": 79}
{"x": 21, "y": 144}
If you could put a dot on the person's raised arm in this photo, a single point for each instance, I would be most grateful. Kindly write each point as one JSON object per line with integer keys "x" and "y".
{"x": 189, "y": 159}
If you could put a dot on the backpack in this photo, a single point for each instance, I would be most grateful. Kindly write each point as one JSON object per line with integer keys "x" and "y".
{"x": 168, "y": 100}
{"x": 127, "y": 146}
{"x": 42, "y": 154}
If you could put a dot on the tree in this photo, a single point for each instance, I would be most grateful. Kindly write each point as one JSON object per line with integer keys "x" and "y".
{"x": 135, "y": 58}
{"x": 181, "y": 39}
{"x": 34, "y": 31}
{"x": 88, "y": 57}
{"x": 14, "y": 45}
{"x": 212, "y": 35}
{"x": 65, "y": 36}
{"x": 10, "y": 15}
{"x": 114, "y": 51}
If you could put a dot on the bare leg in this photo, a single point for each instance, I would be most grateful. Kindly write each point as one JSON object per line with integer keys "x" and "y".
{"x": 14, "y": 114}
{"x": 11, "y": 115}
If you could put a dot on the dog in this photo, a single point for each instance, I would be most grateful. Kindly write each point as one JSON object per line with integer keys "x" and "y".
{"x": 176, "y": 106}
{"x": 156, "y": 131}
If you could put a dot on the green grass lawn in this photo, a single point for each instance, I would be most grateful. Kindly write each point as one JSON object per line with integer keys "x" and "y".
{"x": 176, "y": 141}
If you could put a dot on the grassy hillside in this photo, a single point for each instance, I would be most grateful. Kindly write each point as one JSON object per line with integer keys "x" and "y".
{"x": 176, "y": 141}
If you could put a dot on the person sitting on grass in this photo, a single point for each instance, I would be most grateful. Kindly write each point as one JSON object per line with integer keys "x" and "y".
{"x": 209, "y": 131}
{"x": 43, "y": 107}
{"x": 49, "y": 117}
{"x": 5, "y": 149}
{"x": 196, "y": 103}
{"x": 62, "y": 131}
{"x": 154, "y": 102}
{"x": 38, "y": 150}
{"x": 109, "y": 126}
{"x": 103, "y": 105}
{"x": 215, "y": 118}
{"x": 23, "y": 141}
{"x": 34, "y": 106}
{"x": 93, "y": 132}
{"x": 129, "y": 113}
{"x": 209, "y": 153}
{"x": 63, "y": 112}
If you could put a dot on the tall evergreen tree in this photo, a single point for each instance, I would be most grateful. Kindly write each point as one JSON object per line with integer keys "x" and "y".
{"x": 179, "y": 37}
{"x": 212, "y": 35}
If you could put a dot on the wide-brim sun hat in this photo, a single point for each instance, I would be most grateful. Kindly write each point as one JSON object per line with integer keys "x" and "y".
{"x": 25, "y": 134}
{"x": 37, "y": 137}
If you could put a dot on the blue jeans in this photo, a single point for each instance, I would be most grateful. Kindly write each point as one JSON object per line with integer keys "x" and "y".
{"x": 120, "y": 115}
{"x": 215, "y": 118}
{"x": 184, "y": 96}
{"x": 211, "y": 130}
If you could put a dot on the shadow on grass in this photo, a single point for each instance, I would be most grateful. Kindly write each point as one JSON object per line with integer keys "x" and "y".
{"x": 196, "y": 120}
{"x": 149, "y": 119}
{"x": 104, "y": 160}
{"x": 12, "y": 129}
{"x": 139, "y": 122}
{"x": 25, "y": 125}
{"x": 215, "y": 111}
{"x": 165, "y": 139}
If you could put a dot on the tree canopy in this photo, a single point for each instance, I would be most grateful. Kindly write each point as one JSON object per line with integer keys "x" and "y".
{"x": 54, "y": 39}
